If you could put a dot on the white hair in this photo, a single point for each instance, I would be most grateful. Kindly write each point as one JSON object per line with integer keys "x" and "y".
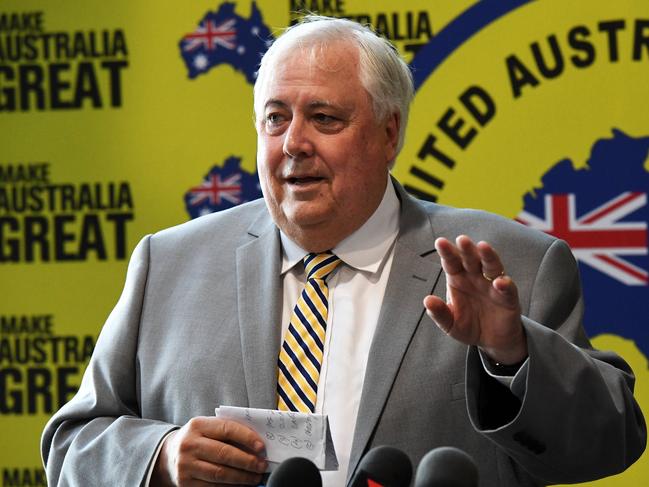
{"x": 383, "y": 73}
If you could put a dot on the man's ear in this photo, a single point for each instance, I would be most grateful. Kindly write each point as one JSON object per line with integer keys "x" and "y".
{"x": 392, "y": 126}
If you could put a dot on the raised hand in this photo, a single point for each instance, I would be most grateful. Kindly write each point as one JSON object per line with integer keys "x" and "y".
{"x": 482, "y": 305}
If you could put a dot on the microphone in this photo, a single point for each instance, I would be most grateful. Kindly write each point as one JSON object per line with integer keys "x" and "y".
{"x": 383, "y": 466}
{"x": 446, "y": 466}
{"x": 295, "y": 472}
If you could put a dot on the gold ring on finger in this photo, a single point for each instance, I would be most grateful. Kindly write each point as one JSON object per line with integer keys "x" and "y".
{"x": 491, "y": 279}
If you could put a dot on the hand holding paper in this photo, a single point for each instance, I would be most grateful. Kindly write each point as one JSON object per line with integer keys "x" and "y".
{"x": 204, "y": 450}
{"x": 287, "y": 434}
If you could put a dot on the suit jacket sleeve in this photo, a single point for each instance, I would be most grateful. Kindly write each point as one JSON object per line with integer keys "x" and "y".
{"x": 99, "y": 437}
{"x": 578, "y": 419}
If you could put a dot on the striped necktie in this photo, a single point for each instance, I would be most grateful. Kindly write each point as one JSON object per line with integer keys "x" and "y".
{"x": 300, "y": 357}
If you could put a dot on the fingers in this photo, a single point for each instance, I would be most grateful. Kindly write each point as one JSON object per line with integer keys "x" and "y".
{"x": 230, "y": 432}
{"x": 469, "y": 255}
{"x": 482, "y": 305}
{"x": 477, "y": 260}
{"x": 490, "y": 263}
{"x": 220, "y": 453}
{"x": 228, "y": 443}
{"x": 217, "y": 451}
{"x": 451, "y": 260}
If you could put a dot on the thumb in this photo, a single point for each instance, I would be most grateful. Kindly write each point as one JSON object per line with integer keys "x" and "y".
{"x": 439, "y": 312}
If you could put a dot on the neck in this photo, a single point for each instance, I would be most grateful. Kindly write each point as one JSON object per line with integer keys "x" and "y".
{"x": 319, "y": 238}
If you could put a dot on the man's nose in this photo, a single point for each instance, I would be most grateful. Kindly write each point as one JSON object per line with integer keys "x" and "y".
{"x": 297, "y": 141}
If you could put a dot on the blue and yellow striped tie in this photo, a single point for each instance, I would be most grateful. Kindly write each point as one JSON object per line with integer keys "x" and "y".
{"x": 300, "y": 357}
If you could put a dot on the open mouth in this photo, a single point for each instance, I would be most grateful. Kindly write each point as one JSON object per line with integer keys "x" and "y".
{"x": 304, "y": 180}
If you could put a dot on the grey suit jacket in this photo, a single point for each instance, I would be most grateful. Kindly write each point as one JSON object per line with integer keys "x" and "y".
{"x": 198, "y": 325}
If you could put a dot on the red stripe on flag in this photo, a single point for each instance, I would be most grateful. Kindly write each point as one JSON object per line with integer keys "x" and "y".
{"x": 598, "y": 239}
{"x": 627, "y": 269}
{"x": 611, "y": 208}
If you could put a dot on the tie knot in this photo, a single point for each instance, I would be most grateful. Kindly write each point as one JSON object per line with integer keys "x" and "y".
{"x": 319, "y": 266}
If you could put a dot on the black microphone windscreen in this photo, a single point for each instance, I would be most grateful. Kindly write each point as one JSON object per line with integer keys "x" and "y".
{"x": 446, "y": 466}
{"x": 295, "y": 472}
{"x": 384, "y": 465}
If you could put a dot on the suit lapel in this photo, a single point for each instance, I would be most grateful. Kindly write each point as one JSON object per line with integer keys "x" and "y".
{"x": 259, "y": 300}
{"x": 414, "y": 274}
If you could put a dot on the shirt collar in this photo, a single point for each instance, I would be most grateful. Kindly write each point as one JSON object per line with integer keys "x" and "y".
{"x": 364, "y": 249}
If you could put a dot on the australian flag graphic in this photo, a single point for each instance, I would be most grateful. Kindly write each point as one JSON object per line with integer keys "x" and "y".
{"x": 602, "y": 212}
{"x": 222, "y": 188}
{"x": 223, "y": 37}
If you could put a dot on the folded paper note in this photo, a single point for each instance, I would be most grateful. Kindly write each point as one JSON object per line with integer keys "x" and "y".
{"x": 288, "y": 434}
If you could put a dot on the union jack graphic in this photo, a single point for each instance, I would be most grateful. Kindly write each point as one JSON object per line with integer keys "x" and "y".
{"x": 223, "y": 187}
{"x": 213, "y": 189}
{"x": 598, "y": 238}
{"x": 225, "y": 37}
{"x": 209, "y": 34}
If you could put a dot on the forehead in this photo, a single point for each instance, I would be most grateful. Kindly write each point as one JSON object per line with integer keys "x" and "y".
{"x": 320, "y": 72}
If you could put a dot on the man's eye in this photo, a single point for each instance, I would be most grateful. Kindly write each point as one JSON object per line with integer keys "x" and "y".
{"x": 323, "y": 118}
{"x": 274, "y": 118}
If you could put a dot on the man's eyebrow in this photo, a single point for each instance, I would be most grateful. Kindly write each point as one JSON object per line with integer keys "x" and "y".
{"x": 275, "y": 102}
{"x": 320, "y": 104}
{"x": 314, "y": 104}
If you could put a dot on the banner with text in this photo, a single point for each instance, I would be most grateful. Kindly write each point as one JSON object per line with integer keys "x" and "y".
{"x": 122, "y": 118}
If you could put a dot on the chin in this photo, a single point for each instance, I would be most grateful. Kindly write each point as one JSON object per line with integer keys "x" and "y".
{"x": 307, "y": 214}
{"x": 306, "y": 223}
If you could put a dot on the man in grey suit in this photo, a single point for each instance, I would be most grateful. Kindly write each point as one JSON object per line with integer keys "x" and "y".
{"x": 507, "y": 374}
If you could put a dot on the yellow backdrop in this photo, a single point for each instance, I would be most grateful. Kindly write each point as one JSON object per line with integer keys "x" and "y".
{"x": 110, "y": 122}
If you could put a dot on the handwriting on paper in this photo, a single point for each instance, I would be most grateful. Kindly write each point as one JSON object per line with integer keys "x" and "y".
{"x": 288, "y": 434}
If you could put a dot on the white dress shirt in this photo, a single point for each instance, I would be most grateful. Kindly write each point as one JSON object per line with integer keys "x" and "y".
{"x": 356, "y": 292}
